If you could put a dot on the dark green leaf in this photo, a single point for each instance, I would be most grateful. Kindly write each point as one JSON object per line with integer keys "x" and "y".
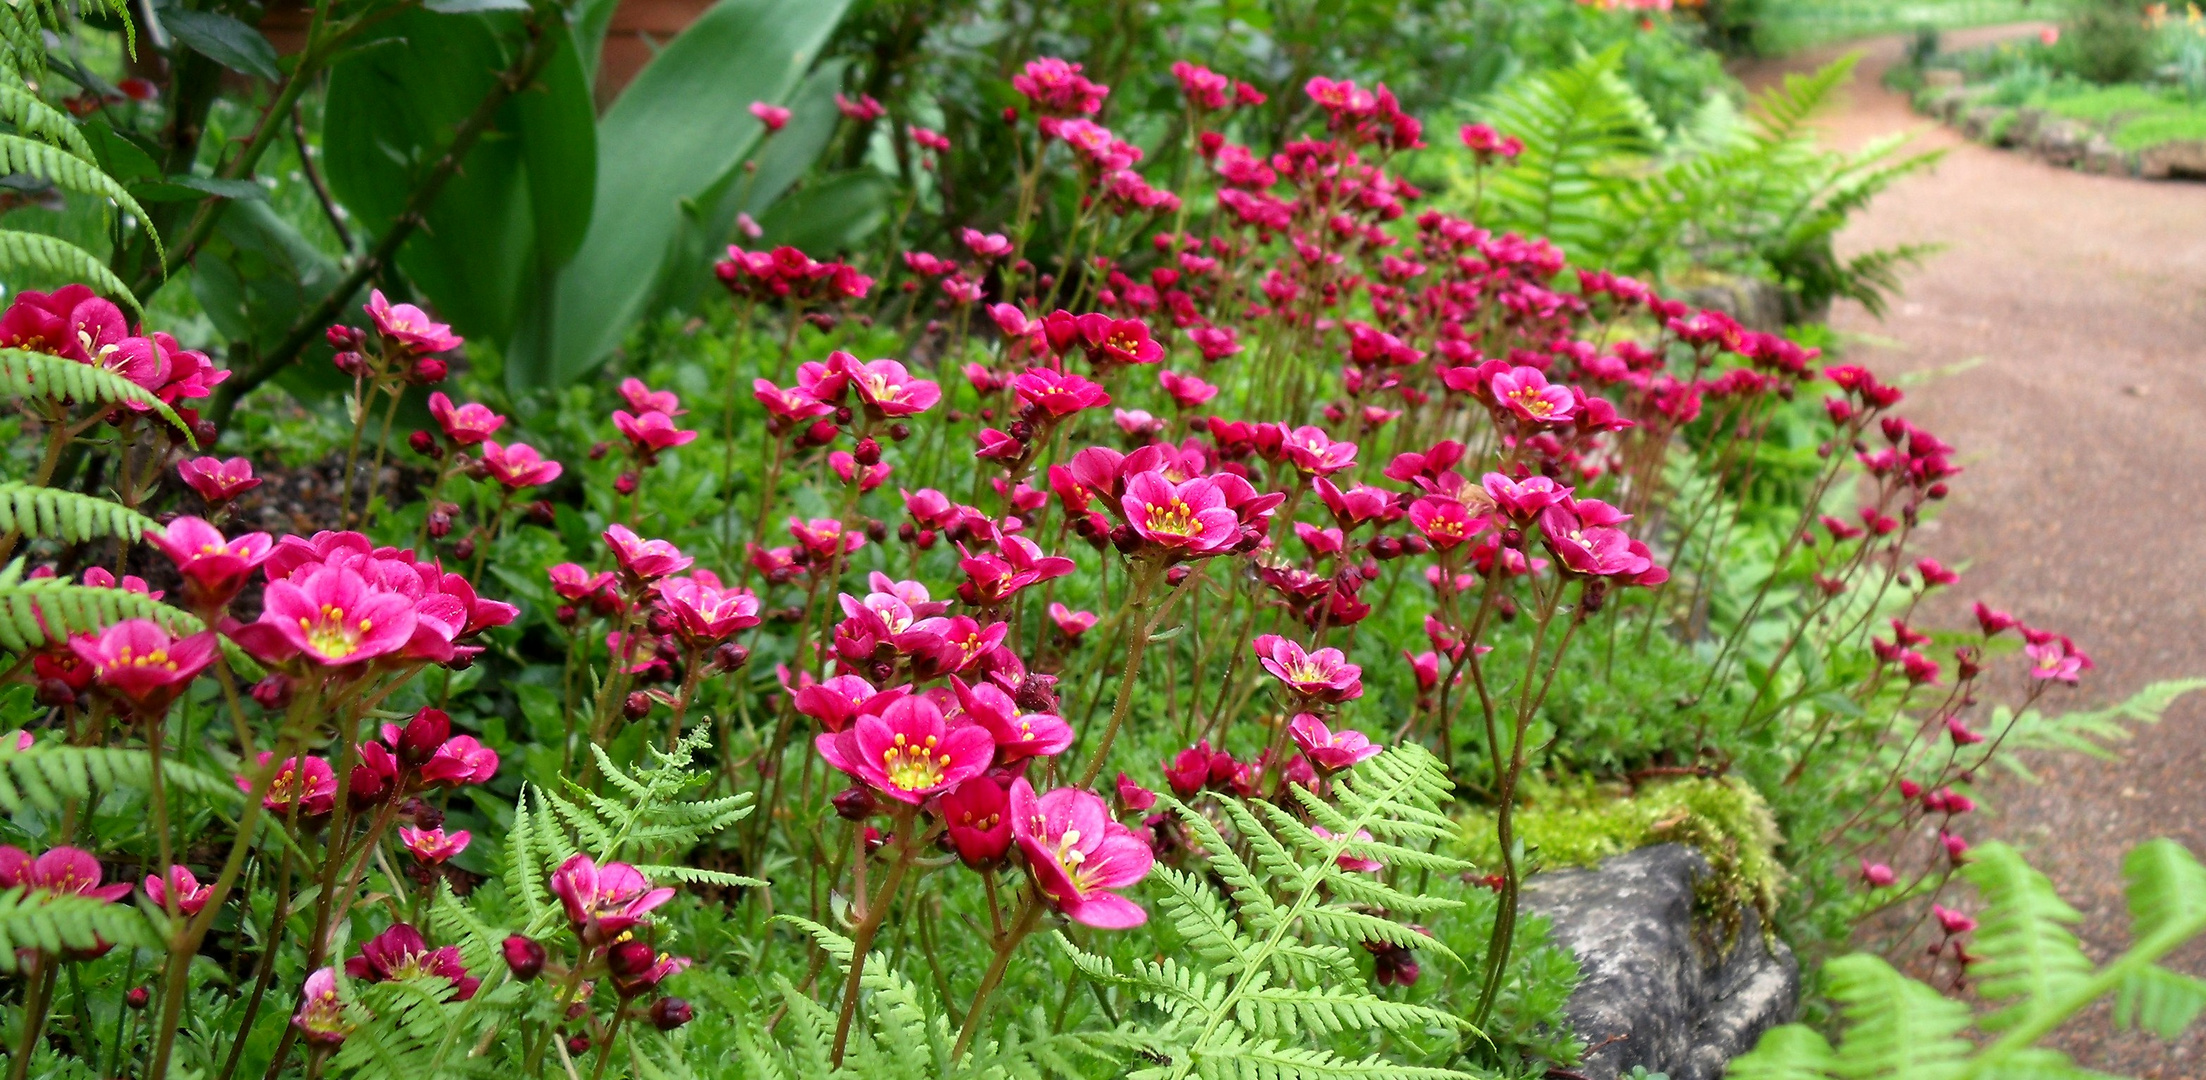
{"x": 223, "y": 40}
{"x": 471, "y": 7}
{"x": 835, "y": 213}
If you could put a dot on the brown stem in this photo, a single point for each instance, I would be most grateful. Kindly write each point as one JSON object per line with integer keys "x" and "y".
{"x": 870, "y": 921}
{"x": 1030, "y": 913}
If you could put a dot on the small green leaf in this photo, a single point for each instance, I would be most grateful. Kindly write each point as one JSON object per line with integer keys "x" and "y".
{"x": 224, "y": 40}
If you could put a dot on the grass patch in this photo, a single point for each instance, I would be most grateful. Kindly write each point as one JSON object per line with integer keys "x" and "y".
{"x": 1791, "y": 25}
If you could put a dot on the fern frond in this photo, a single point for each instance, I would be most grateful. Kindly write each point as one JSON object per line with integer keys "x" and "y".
{"x": 51, "y": 775}
{"x": 69, "y": 172}
{"x": 697, "y": 875}
{"x": 42, "y": 611}
{"x": 32, "y": 116}
{"x": 57, "y": 259}
{"x": 52, "y": 922}
{"x": 1895, "y": 1026}
{"x": 68, "y": 516}
{"x": 2028, "y": 956}
{"x": 57, "y": 378}
{"x": 2167, "y": 895}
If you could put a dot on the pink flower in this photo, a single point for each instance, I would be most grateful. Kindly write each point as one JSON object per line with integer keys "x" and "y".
{"x": 139, "y": 661}
{"x": 409, "y": 327}
{"x": 63, "y": 871}
{"x": 706, "y": 615}
{"x": 1019, "y": 562}
{"x": 1188, "y": 391}
{"x": 1329, "y": 750}
{"x": 1588, "y": 548}
{"x": 1190, "y": 517}
{"x": 985, "y": 245}
{"x": 519, "y": 465}
{"x": 1445, "y": 522}
{"x": 604, "y": 902}
{"x": 644, "y": 399}
{"x": 399, "y": 953}
{"x": 1056, "y": 393}
{"x": 1935, "y": 573}
{"x": 651, "y": 432}
{"x": 1078, "y": 855}
{"x": 1316, "y": 453}
{"x": 191, "y": 896}
{"x": 977, "y": 816}
{"x": 431, "y": 845}
{"x": 1961, "y": 733}
{"x": 773, "y": 116}
{"x": 887, "y": 389}
{"x": 1205, "y": 89}
{"x": 461, "y": 760}
{"x": 833, "y": 703}
{"x": 644, "y": 561}
{"x": 214, "y": 567}
{"x": 908, "y": 752}
{"x": 1071, "y": 623}
{"x": 333, "y": 616}
{"x": 1324, "y": 675}
{"x": 2058, "y": 660}
{"x": 1523, "y": 500}
{"x": 864, "y": 110}
{"x": 929, "y": 138}
{"x": 1057, "y": 87}
{"x": 1018, "y": 735}
{"x": 1117, "y": 341}
{"x": 218, "y": 481}
{"x": 572, "y": 582}
{"x": 321, "y": 1016}
{"x": 466, "y": 425}
{"x": 790, "y": 405}
{"x": 1527, "y": 393}
{"x": 1951, "y": 921}
{"x": 1992, "y": 622}
{"x": 1214, "y": 342}
{"x": 1877, "y": 874}
{"x": 312, "y": 785}
{"x": 825, "y": 538}
{"x": 1132, "y": 797}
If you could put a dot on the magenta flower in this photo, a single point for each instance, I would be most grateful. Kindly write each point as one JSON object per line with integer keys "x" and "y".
{"x": 138, "y": 661}
{"x": 519, "y": 465}
{"x": 61, "y": 871}
{"x": 1877, "y": 874}
{"x": 1056, "y": 393}
{"x": 333, "y": 616}
{"x": 1353, "y": 863}
{"x": 461, "y": 760}
{"x": 1330, "y": 750}
{"x": 644, "y": 561}
{"x": 1522, "y": 500}
{"x": 313, "y": 785}
{"x": 321, "y": 1016}
{"x": 1951, "y": 921}
{"x": 791, "y": 405}
{"x": 431, "y": 845}
{"x": 1117, "y": 341}
{"x": 1445, "y": 522}
{"x": 977, "y": 816}
{"x": 2057, "y": 659}
{"x": 1588, "y": 548}
{"x": 773, "y": 116}
{"x": 1078, "y": 855}
{"x": 214, "y": 567}
{"x": 825, "y": 538}
{"x": 985, "y": 245}
{"x": 1190, "y": 517}
{"x": 1526, "y": 392}
{"x": 1071, "y": 623}
{"x": 218, "y": 481}
{"x": 1019, "y": 562}
{"x": 909, "y": 752}
{"x": 191, "y": 896}
{"x": 1324, "y": 675}
{"x": 652, "y": 432}
{"x": 1993, "y": 621}
{"x": 887, "y": 389}
{"x": 399, "y": 954}
{"x": 642, "y": 398}
{"x": 604, "y": 902}
{"x": 467, "y": 424}
{"x": 1316, "y": 453}
{"x": 705, "y": 615}
{"x": 409, "y": 327}
{"x": 1057, "y": 87}
{"x": 1018, "y": 735}
{"x": 1188, "y": 391}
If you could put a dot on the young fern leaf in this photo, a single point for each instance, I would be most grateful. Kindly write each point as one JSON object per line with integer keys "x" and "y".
{"x": 2167, "y": 895}
{"x": 58, "y": 378}
{"x": 41, "y": 612}
{"x": 408, "y": 1029}
{"x": 67, "y": 516}
{"x": 69, "y": 172}
{"x": 2029, "y": 957}
{"x": 32, "y": 116}
{"x": 52, "y": 922}
{"x": 51, "y": 776}
{"x": 1265, "y": 962}
{"x": 1578, "y": 122}
{"x": 57, "y": 259}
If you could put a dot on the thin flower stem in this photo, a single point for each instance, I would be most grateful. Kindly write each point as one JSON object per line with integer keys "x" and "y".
{"x": 861, "y": 939}
{"x": 1145, "y": 576}
{"x": 1030, "y": 913}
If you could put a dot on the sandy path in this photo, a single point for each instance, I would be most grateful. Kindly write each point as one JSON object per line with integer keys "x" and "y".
{"x": 2080, "y": 301}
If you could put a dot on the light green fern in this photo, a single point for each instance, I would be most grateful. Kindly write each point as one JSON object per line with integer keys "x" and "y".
{"x": 69, "y": 172}
{"x": 38, "y": 612}
{"x": 52, "y": 923}
{"x": 1581, "y": 123}
{"x": 50, "y": 776}
{"x": 2030, "y": 971}
{"x": 68, "y": 516}
{"x": 58, "y": 378}
{"x": 1268, "y": 970}
{"x": 32, "y": 116}
{"x": 52, "y": 257}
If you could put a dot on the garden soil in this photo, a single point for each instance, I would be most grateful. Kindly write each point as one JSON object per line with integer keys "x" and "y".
{"x": 2059, "y": 339}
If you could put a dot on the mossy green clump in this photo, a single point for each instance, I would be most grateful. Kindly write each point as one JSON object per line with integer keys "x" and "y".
{"x": 1578, "y": 825}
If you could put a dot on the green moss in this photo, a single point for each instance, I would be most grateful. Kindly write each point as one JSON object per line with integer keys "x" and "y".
{"x": 1578, "y": 825}
{"x": 2155, "y": 129}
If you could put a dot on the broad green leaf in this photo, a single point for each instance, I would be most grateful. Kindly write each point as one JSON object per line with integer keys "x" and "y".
{"x": 671, "y": 136}
{"x": 835, "y": 213}
{"x": 224, "y": 40}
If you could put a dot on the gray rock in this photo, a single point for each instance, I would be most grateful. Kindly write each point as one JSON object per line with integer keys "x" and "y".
{"x": 1658, "y": 989}
{"x": 2100, "y": 155}
{"x": 1757, "y": 304}
{"x": 2061, "y": 142}
{"x": 2184, "y": 159}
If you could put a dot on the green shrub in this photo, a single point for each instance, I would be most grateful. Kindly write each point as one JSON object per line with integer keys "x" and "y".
{"x": 2107, "y": 42}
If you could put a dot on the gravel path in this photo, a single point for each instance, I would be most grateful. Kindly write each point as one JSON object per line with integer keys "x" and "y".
{"x": 2068, "y": 313}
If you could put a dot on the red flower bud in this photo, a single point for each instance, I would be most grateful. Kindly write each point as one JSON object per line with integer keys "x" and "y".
{"x": 423, "y": 736}
{"x": 273, "y": 692}
{"x": 137, "y": 997}
{"x": 578, "y": 1045}
{"x": 423, "y": 443}
{"x": 525, "y": 956}
{"x": 428, "y": 371}
{"x": 670, "y": 1013}
{"x": 637, "y": 706}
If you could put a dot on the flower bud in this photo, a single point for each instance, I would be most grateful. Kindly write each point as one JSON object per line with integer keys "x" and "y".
{"x": 1506, "y": 607}
{"x": 899, "y": 431}
{"x": 907, "y": 532}
{"x": 428, "y": 371}
{"x": 423, "y": 736}
{"x": 205, "y": 433}
{"x": 637, "y": 706}
{"x": 855, "y": 803}
{"x": 541, "y": 512}
{"x": 624, "y": 484}
{"x": 423, "y": 443}
{"x": 926, "y": 539}
{"x": 1415, "y": 545}
{"x": 730, "y": 656}
{"x": 822, "y": 432}
{"x": 565, "y": 613}
{"x": 1175, "y": 576}
{"x": 465, "y": 549}
{"x": 350, "y": 363}
{"x": 876, "y": 530}
{"x": 439, "y": 524}
{"x": 843, "y": 414}
{"x": 368, "y": 787}
{"x": 55, "y": 693}
{"x": 1020, "y": 430}
{"x": 670, "y": 1013}
{"x": 867, "y": 452}
{"x": 342, "y": 337}
{"x": 525, "y": 956}
{"x": 599, "y": 450}
{"x": 1386, "y": 547}
{"x": 138, "y": 997}
{"x": 424, "y": 815}
{"x": 273, "y": 692}
{"x": 578, "y": 1045}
